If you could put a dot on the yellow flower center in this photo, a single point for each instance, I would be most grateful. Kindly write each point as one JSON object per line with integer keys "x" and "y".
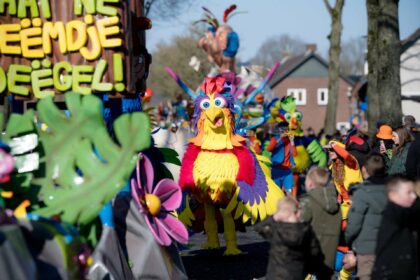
{"x": 152, "y": 203}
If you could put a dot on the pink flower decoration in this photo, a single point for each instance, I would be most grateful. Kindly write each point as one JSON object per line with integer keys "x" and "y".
{"x": 157, "y": 202}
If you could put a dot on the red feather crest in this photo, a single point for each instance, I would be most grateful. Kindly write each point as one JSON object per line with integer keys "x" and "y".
{"x": 227, "y": 12}
{"x": 213, "y": 85}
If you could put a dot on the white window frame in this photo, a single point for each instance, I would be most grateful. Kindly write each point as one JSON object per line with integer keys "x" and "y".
{"x": 295, "y": 93}
{"x": 319, "y": 94}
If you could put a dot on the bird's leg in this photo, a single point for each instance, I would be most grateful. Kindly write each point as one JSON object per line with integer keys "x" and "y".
{"x": 230, "y": 234}
{"x": 210, "y": 226}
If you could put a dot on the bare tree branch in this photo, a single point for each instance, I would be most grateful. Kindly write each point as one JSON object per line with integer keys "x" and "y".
{"x": 166, "y": 9}
{"x": 414, "y": 55}
{"x": 275, "y": 48}
{"x": 147, "y": 5}
{"x": 414, "y": 80}
{"x": 329, "y": 8}
{"x": 352, "y": 57}
{"x": 334, "y": 64}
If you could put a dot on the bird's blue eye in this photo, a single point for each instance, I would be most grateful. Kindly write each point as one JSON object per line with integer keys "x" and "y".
{"x": 220, "y": 102}
{"x": 205, "y": 104}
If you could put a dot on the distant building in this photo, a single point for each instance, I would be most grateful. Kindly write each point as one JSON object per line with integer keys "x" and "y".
{"x": 410, "y": 75}
{"x": 306, "y": 78}
{"x": 410, "y": 82}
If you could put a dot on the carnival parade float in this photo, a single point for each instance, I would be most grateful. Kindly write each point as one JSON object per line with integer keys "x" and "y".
{"x": 84, "y": 192}
{"x": 225, "y": 180}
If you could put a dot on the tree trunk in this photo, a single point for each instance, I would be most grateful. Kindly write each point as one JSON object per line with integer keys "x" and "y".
{"x": 334, "y": 64}
{"x": 373, "y": 112}
{"x": 384, "y": 50}
{"x": 389, "y": 52}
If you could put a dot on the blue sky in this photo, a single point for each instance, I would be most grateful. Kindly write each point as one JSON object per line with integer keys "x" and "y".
{"x": 306, "y": 19}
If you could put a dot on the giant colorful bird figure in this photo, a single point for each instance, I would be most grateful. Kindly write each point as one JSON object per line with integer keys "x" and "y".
{"x": 306, "y": 150}
{"x": 220, "y": 172}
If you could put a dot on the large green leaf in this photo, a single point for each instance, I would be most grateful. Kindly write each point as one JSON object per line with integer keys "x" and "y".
{"x": 170, "y": 156}
{"x": 84, "y": 167}
{"x": 18, "y": 125}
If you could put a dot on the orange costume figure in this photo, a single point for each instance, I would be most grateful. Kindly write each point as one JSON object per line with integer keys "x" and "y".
{"x": 345, "y": 172}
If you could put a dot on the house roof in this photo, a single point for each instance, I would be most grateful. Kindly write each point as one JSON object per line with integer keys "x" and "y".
{"x": 410, "y": 40}
{"x": 293, "y": 63}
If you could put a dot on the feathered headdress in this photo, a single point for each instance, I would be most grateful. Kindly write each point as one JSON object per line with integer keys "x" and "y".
{"x": 211, "y": 19}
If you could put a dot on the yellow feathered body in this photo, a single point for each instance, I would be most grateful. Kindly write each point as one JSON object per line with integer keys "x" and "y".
{"x": 302, "y": 159}
{"x": 215, "y": 176}
{"x": 216, "y": 167}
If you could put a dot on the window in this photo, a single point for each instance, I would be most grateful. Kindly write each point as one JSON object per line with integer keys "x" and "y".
{"x": 299, "y": 94}
{"x": 322, "y": 96}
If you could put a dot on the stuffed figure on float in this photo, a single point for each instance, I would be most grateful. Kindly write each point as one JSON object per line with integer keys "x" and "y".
{"x": 220, "y": 43}
{"x": 220, "y": 172}
{"x": 305, "y": 150}
{"x": 220, "y": 175}
{"x": 281, "y": 152}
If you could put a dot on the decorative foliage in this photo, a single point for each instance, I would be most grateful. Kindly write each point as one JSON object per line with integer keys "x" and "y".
{"x": 169, "y": 156}
{"x": 84, "y": 168}
{"x": 156, "y": 202}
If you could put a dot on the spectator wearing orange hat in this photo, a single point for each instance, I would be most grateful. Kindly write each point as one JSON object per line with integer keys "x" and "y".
{"x": 383, "y": 142}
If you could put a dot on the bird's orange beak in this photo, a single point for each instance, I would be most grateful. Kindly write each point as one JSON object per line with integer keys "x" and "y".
{"x": 293, "y": 123}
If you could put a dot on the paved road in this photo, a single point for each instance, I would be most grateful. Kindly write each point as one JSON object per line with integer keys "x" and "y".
{"x": 203, "y": 264}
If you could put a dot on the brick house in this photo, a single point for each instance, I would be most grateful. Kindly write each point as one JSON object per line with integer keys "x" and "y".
{"x": 306, "y": 78}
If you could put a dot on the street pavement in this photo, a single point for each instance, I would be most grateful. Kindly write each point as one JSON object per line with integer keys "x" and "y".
{"x": 203, "y": 264}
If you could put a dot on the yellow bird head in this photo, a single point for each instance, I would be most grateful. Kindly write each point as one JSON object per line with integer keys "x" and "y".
{"x": 214, "y": 116}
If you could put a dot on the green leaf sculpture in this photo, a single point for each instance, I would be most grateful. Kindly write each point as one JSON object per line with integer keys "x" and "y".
{"x": 84, "y": 167}
{"x": 170, "y": 156}
{"x": 18, "y": 125}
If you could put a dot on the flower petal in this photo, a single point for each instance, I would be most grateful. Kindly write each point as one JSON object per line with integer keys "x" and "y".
{"x": 136, "y": 192}
{"x": 144, "y": 170}
{"x": 173, "y": 227}
{"x": 169, "y": 193}
{"x": 158, "y": 231}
